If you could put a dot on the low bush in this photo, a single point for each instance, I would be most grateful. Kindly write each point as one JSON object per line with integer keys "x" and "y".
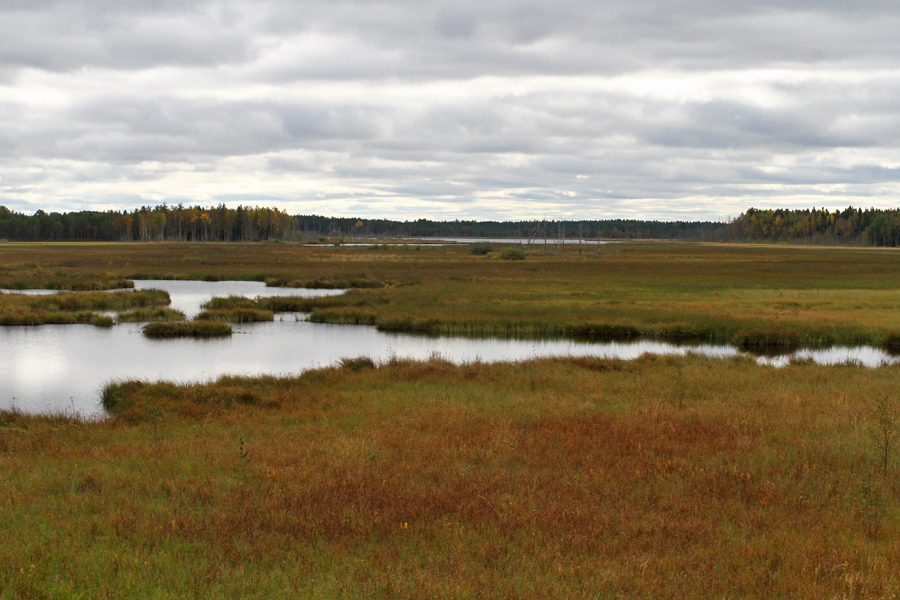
{"x": 512, "y": 254}
{"x": 482, "y": 248}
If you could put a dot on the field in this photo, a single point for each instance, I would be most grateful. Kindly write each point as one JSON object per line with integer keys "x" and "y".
{"x": 662, "y": 477}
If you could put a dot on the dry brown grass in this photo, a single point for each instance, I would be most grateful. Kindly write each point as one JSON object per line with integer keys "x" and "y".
{"x": 661, "y": 477}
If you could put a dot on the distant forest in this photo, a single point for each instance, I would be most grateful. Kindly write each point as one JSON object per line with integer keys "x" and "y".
{"x": 869, "y": 227}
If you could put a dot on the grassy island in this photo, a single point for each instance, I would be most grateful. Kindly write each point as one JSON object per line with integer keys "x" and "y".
{"x": 197, "y": 329}
{"x": 77, "y": 307}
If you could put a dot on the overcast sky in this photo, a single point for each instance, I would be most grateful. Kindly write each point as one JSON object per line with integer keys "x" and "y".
{"x": 676, "y": 109}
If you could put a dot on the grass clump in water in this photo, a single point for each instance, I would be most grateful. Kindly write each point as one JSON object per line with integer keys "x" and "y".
{"x": 327, "y": 283}
{"x": 229, "y": 302}
{"x": 74, "y": 307}
{"x": 148, "y": 315}
{"x": 197, "y": 329}
{"x": 236, "y": 315}
{"x": 357, "y": 364}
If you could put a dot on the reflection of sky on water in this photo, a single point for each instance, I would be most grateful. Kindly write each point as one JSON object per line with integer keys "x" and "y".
{"x": 29, "y": 292}
{"x": 863, "y": 355}
{"x": 188, "y": 295}
{"x": 63, "y": 367}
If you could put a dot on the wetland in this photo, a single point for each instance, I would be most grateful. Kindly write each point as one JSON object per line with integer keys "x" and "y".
{"x": 426, "y": 465}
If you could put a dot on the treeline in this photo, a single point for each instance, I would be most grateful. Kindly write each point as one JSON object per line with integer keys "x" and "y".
{"x": 873, "y": 227}
{"x": 159, "y": 223}
{"x": 525, "y": 230}
{"x": 180, "y": 223}
{"x": 855, "y": 226}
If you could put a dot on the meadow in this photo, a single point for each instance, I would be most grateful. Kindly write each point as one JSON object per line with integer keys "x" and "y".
{"x": 661, "y": 477}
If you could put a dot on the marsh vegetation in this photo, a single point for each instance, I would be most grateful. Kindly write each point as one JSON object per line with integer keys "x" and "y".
{"x": 660, "y": 477}
{"x": 78, "y": 307}
{"x": 748, "y": 295}
{"x": 196, "y": 329}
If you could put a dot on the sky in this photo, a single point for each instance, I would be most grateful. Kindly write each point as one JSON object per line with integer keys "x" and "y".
{"x": 508, "y": 109}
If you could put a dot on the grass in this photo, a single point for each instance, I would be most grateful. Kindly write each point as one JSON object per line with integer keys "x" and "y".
{"x": 197, "y": 329}
{"x": 72, "y": 308}
{"x": 234, "y": 309}
{"x": 580, "y": 478}
{"x": 747, "y": 294}
{"x": 147, "y": 315}
{"x": 236, "y": 315}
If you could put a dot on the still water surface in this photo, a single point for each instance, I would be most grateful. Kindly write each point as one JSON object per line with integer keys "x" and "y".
{"x": 62, "y": 367}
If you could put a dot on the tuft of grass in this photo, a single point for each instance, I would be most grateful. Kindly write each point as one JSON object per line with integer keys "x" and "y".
{"x": 892, "y": 340}
{"x": 357, "y": 364}
{"x": 198, "y": 329}
{"x": 102, "y": 321}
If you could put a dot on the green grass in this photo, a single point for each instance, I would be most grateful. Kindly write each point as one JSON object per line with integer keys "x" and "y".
{"x": 579, "y": 478}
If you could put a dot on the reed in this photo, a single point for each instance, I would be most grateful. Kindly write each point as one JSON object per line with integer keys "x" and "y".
{"x": 326, "y": 283}
{"x": 73, "y": 308}
{"x": 236, "y": 315}
{"x": 229, "y": 302}
{"x": 234, "y": 309}
{"x": 148, "y": 315}
{"x": 197, "y": 329}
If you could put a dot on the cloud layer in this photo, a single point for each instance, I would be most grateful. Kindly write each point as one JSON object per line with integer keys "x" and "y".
{"x": 644, "y": 109}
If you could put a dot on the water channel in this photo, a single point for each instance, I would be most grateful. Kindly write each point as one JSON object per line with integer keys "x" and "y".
{"x": 54, "y": 368}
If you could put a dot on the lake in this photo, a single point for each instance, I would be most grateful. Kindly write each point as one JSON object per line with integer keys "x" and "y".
{"x": 63, "y": 367}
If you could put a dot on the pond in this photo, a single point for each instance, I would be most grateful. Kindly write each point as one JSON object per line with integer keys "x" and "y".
{"x": 63, "y": 367}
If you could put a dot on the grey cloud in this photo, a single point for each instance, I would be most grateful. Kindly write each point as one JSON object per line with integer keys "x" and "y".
{"x": 449, "y": 39}
{"x": 68, "y": 36}
{"x": 530, "y": 110}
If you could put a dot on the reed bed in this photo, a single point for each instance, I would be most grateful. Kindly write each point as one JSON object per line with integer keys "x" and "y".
{"x": 74, "y": 307}
{"x": 236, "y": 315}
{"x": 663, "y": 477}
{"x": 147, "y": 315}
{"x": 196, "y": 329}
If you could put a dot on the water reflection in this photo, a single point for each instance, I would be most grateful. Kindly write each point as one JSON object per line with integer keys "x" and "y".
{"x": 62, "y": 367}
